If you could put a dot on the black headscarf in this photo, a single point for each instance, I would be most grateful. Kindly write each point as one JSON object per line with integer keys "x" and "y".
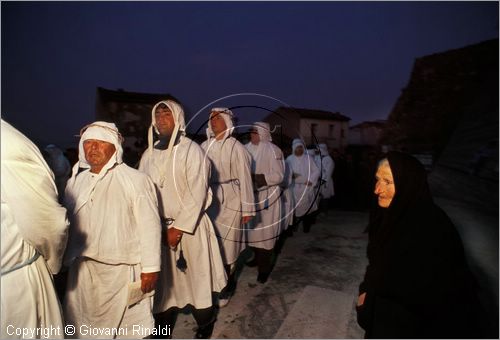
{"x": 417, "y": 267}
{"x": 412, "y": 197}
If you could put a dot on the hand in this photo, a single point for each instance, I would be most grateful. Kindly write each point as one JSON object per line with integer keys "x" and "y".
{"x": 361, "y": 299}
{"x": 246, "y": 219}
{"x": 174, "y": 237}
{"x": 260, "y": 180}
{"x": 148, "y": 281}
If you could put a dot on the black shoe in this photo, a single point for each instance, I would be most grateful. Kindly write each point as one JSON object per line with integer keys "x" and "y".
{"x": 205, "y": 332}
{"x": 262, "y": 277}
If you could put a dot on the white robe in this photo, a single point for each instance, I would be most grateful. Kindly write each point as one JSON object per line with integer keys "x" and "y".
{"x": 327, "y": 165}
{"x": 233, "y": 198}
{"x": 287, "y": 199}
{"x": 304, "y": 195}
{"x": 265, "y": 227}
{"x": 32, "y": 222}
{"x": 182, "y": 185}
{"x": 115, "y": 235}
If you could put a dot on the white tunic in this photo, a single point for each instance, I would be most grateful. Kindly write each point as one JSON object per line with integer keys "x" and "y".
{"x": 267, "y": 159}
{"x": 181, "y": 181}
{"x": 231, "y": 184}
{"x": 33, "y": 222}
{"x": 115, "y": 235}
{"x": 305, "y": 170}
{"x": 287, "y": 199}
{"x": 327, "y": 165}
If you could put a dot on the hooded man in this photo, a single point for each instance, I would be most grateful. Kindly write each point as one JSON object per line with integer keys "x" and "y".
{"x": 268, "y": 171}
{"x": 34, "y": 235}
{"x": 231, "y": 182}
{"x": 114, "y": 240}
{"x": 324, "y": 162}
{"x": 305, "y": 175}
{"x": 60, "y": 166}
{"x": 192, "y": 266}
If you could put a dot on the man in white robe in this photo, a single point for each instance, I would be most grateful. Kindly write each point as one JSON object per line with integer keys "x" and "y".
{"x": 305, "y": 176}
{"x": 192, "y": 267}
{"x": 268, "y": 171}
{"x": 231, "y": 182}
{"x": 33, "y": 239}
{"x": 326, "y": 164}
{"x": 114, "y": 241}
{"x": 60, "y": 166}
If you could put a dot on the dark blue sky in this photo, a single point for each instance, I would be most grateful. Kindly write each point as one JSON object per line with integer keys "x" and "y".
{"x": 351, "y": 57}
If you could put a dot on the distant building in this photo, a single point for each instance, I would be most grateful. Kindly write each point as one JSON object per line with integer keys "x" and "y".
{"x": 449, "y": 113}
{"x": 366, "y": 133}
{"x": 131, "y": 112}
{"x": 313, "y": 126}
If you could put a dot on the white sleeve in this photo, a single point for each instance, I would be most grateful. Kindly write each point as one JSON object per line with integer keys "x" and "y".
{"x": 29, "y": 189}
{"x": 276, "y": 167}
{"x": 149, "y": 226}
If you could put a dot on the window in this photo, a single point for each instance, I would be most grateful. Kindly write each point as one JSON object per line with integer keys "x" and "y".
{"x": 314, "y": 130}
{"x": 330, "y": 130}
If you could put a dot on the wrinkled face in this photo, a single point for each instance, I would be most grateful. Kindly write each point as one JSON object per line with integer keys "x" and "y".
{"x": 97, "y": 153}
{"x": 217, "y": 124}
{"x": 254, "y": 136}
{"x": 299, "y": 151}
{"x": 384, "y": 187}
{"x": 164, "y": 121}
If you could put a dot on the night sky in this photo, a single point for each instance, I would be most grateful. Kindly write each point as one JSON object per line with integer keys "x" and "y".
{"x": 350, "y": 57}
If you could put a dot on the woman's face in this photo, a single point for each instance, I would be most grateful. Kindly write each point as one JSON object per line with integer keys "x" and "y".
{"x": 384, "y": 187}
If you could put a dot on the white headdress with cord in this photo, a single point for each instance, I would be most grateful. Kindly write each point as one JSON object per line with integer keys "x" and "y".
{"x": 296, "y": 143}
{"x": 179, "y": 121}
{"x": 107, "y": 132}
{"x": 227, "y": 115}
{"x": 264, "y": 131}
{"x": 323, "y": 149}
{"x": 104, "y": 131}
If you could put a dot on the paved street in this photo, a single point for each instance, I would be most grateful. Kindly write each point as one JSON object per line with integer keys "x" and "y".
{"x": 311, "y": 292}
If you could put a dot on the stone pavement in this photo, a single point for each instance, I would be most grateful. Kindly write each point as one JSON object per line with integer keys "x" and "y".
{"x": 311, "y": 292}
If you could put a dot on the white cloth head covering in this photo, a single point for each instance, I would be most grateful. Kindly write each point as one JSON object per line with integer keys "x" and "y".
{"x": 107, "y": 132}
{"x": 179, "y": 121}
{"x": 323, "y": 149}
{"x": 296, "y": 143}
{"x": 228, "y": 119}
{"x": 264, "y": 131}
{"x": 104, "y": 131}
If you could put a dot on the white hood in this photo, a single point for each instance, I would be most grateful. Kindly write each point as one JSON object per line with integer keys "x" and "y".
{"x": 180, "y": 124}
{"x": 228, "y": 119}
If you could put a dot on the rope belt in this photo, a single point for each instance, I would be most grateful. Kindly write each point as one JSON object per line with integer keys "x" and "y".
{"x": 21, "y": 265}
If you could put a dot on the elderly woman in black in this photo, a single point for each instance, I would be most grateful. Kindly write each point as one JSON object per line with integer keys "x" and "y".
{"x": 417, "y": 283}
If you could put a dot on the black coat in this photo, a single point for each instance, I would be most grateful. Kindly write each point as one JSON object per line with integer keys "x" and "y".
{"x": 417, "y": 283}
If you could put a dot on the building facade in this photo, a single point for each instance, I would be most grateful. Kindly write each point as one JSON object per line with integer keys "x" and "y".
{"x": 313, "y": 126}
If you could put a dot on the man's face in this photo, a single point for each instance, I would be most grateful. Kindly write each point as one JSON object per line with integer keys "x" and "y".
{"x": 97, "y": 153}
{"x": 164, "y": 121}
{"x": 299, "y": 151}
{"x": 217, "y": 124}
{"x": 254, "y": 136}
